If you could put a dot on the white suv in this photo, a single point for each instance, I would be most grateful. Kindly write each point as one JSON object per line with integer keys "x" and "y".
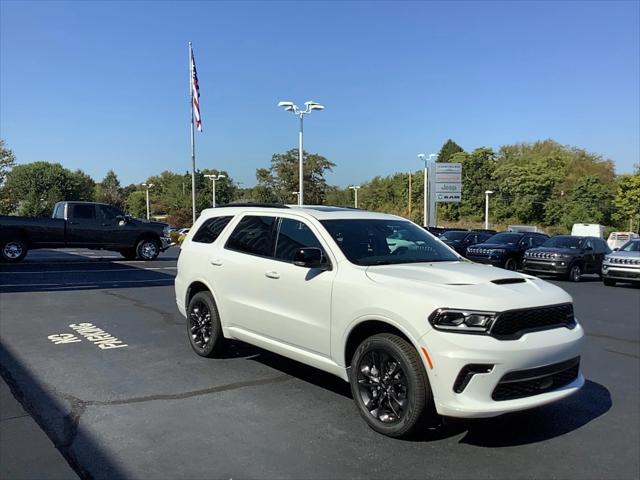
{"x": 384, "y": 305}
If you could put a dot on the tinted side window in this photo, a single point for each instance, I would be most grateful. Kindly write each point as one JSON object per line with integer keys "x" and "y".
{"x": 59, "y": 213}
{"x": 87, "y": 212}
{"x": 539, "y": 240}
{"x": 292, "y": 236}
{"x": 108, "y": 213}
{"x": 253, "y": 235}
{"x": 211, "y": 229}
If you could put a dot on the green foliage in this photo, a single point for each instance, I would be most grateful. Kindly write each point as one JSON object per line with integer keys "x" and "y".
{"x": 7, "y": 160}
{"x": 448, "y": 150}
{"x": 627, "y": 201}
{"x": 589, "y": 202}
{"x": 136, "y": 205}
{"x": 109, "y": 191}
{"x": 34, "y": 188}
{"x": 281, "y": 178}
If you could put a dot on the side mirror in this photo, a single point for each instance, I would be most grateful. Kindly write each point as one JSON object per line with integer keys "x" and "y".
{"x": 588, "y": 249}
{"x": 310, "y": 257}
{"x": 616, "y": 249}
{"x": 122, "y": 220}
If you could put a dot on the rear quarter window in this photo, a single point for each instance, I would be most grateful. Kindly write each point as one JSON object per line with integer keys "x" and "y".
{"x": 211, "y": 229}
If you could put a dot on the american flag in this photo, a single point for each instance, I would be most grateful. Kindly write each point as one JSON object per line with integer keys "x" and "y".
{"x": 195, "y": 94}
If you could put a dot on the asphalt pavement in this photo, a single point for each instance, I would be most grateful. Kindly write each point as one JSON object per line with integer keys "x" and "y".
{"x": 95, "y": 351}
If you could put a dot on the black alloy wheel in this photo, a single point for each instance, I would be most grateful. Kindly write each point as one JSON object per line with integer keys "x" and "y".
{"x": 203, "y": 325}
{"x": 389, "y": 385}
{"x": 383, "y": 386}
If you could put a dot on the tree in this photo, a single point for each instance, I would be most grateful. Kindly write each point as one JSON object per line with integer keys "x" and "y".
{"x": 109, "y": 191}
{"x": 281, "y": 178}
{"x": 589, "y": 202}
{"x": 35, "y": 187}
{"x": 137, "y": 204}
{"x": 7, "y": 160}
{"x": 449, "y": 149}
{"x": 627, "y": 201}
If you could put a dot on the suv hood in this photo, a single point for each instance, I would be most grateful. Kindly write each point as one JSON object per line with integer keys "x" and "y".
{"x": 624, "y": 255}
{"x": 504, "y": 246}
{"x": 467, "y": 284}
{"x": 563, "y": 251}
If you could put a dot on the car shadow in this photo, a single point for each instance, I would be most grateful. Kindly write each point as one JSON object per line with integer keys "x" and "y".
{"x": 52, "y": 270}
{"x": 513, "y": 429}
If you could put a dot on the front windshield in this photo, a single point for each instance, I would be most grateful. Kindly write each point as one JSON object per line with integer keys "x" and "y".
{"x": 453, "y": 236}
{"x": 505, "y": 238}
{"x": 631, "y": 246}
{"x": 386, "y": 242}
{"x": 563, "y": 241}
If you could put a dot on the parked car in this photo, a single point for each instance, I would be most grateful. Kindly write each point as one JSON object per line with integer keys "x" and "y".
{"x": 83, "y": 224}
{"x": 567, "y": 256}
{"x": 618, "y": 239}
{"x": 460, "y": 241}
{"x": 505, "y": 249}
{"x": 622, "y": 265}
{"x": 331, "y": 288}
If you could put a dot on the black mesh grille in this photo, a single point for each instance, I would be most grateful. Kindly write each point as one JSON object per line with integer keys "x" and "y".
{"x": 526, "y": 383}
{"x": 515, "y": 322}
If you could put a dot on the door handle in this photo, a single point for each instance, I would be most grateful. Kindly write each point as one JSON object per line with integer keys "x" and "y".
{"x": 216, "y": 261}
{"x": 272, "y": 274}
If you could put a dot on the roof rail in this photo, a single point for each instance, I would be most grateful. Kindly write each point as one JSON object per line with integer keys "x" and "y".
{"x": 253, "y": 204}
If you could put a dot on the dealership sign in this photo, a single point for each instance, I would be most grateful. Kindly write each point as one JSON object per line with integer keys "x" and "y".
{"x": 448, "y": 182}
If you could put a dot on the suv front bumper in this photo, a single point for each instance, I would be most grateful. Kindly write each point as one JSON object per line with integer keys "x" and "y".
{"x": 165, "y": 243}
{"x": 623, "y": 273}
{"x": 450, "y": 352}
{"x": 551, "y": 267}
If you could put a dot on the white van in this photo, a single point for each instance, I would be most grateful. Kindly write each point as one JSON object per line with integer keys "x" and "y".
{"x": 587, "y": 230}
{"x": 617, "y": 239}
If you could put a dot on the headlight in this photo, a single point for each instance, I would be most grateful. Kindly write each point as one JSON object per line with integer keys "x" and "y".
{"x": 165, "y": 231}
{"x": 462, "y": 321}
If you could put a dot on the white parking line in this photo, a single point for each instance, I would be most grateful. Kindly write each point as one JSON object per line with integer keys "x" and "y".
{"x": 84, "y": 284}
{"x": 113, "y": 270}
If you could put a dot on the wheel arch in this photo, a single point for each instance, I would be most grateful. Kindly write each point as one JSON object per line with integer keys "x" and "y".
{"x": 147, "y": 235}
{"x": 367, "y": 327}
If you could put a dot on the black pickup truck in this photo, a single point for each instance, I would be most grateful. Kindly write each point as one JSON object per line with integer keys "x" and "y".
{"x": 83, "y": 225}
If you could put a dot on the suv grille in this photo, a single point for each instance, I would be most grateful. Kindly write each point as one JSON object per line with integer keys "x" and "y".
{"x": 514, "y": 323}
{"x": 525, "y": 383}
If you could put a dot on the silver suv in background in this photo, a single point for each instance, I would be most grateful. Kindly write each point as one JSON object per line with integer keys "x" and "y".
{"x": 622, "y": 265}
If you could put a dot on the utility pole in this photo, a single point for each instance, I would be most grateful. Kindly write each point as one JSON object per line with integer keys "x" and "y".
{"x": 355, "y": 189}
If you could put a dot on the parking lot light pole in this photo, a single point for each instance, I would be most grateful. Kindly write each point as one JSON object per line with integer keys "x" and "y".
{"x": 297, "y": 194}
{"x": 147, "y": 186}
{"x": 213, "y": 187}
{"x": 486, "y": 208}
{"x": 425, "y": 214}
{"x": 292, "y": 107}
{"x": 355, "y": 189}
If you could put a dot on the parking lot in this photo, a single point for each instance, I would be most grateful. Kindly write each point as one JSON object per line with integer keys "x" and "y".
{"x": 126, "y": 397}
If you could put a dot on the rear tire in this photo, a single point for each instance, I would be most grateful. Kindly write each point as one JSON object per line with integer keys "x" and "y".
{"x": 389, "y": 385}
{"x": 609, "y": 283}
{"x": 148, "y": 249}
{"x": 204, "y": 329}
{"x": 13, "y": 250}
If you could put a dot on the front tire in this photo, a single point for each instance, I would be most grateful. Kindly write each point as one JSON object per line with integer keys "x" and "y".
{"x": 13, "y": 250}
{"x": 129, "y": 253}
{"x": 609, "y": 283}
{"x": 148, "y": 249}
{"x": 575, "y": 273}
{"x": 389, "y": 385}
{"x": 203, "y": 325}
{"x": 511, "y": 264}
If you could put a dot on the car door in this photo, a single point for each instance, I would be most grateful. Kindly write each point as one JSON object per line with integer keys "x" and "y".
{"x": 590, "y": 258}
{"x": 270, "y": 296}
{"x": 114, "y": 232}
{"x": 83, "y": 227}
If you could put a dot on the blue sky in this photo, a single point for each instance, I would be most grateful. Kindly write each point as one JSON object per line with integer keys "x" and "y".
{"x": 100, "y": 85}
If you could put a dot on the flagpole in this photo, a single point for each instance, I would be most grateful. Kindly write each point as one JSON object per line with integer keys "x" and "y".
{"x": 193, "y": 139}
